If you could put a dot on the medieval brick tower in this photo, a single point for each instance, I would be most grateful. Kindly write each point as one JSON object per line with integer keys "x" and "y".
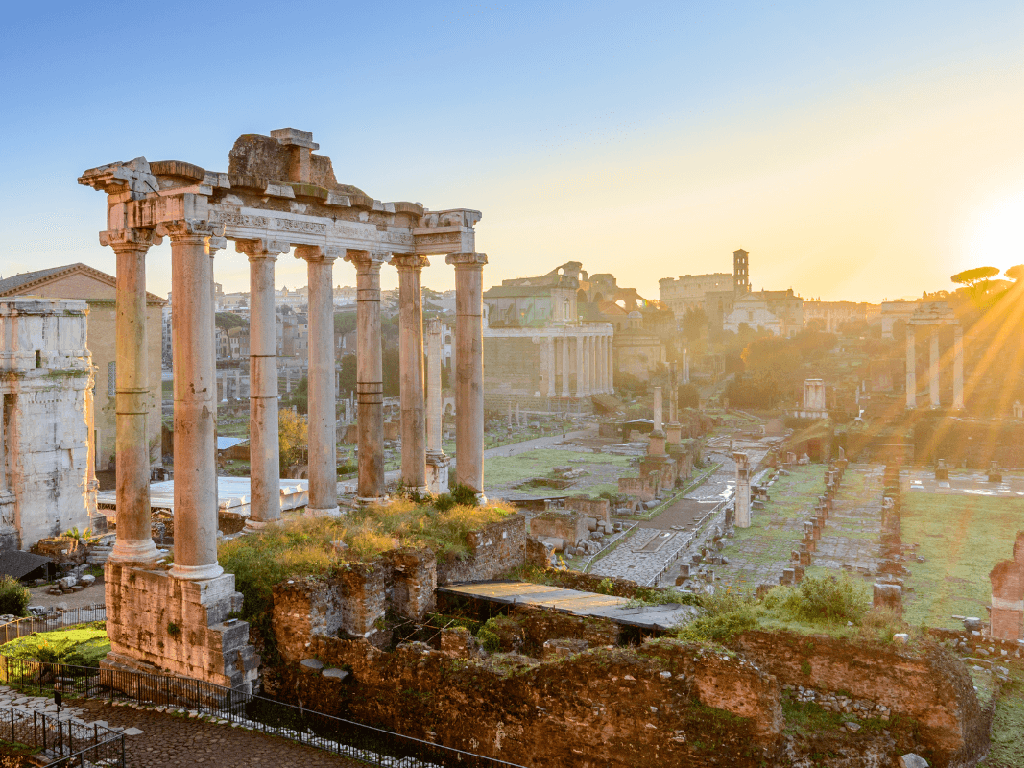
{"x": 740, "y": 272}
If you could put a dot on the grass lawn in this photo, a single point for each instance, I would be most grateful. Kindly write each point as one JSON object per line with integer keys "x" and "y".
{"x": 962, "y": 536}
{"x": 82, "y": 645}
{"x": 1007, "y": 745}
{"x": 507, "y": 470}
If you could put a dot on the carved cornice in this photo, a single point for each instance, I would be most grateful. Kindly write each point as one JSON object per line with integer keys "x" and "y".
{"x": 189, "y": 228}
{"x": 466, "y": 260}
{"x": 262, "y": 248}
{"x": 130, "y": 239}
{"x": 403, "y": 261}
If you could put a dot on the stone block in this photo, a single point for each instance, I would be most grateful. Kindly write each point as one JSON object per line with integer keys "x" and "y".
{"x": 889, "y": 596}
{"x": 910, "y": 760}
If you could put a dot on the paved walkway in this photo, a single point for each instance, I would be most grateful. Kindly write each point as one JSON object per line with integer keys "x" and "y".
{"x": 174, "y": 740}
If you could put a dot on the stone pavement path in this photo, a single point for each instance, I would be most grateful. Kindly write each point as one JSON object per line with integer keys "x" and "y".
{"x": 169, "y": 740}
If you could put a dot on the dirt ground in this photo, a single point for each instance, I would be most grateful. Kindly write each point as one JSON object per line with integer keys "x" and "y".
{"x": 89, "y": 597}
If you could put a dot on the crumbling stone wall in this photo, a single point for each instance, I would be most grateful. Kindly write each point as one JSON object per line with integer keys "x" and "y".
{"x": 665, "y": 703}
{"x": 599, "y": 509}
{"x": 645, "y": 487}
{"x": 927, "y": 684}
{"x": 494, "y": 549}
{"x": 570, "y": 527}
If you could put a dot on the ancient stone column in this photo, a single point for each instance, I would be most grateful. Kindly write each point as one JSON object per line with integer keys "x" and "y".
{"x": 958, "y": 367}
{"x": 369, "y": 376}
{"x": 911, "y": 368}
{"x": 263, "y": 444}
{"x": 565, "y": 364}
{"x": 686, "y": 366}
{"x": 933, "y": 369}
{"x": 323, "y": 461}
{"x": 581, "y": 376}
{"x": 195, "y": 459}
{"x": 657, "y": 409}
{"x": 592, "y": 364}
{"x": 437, "y": 462}
{"x": 673, "y": 395}
{"x": 469, "y": 376}
{"x": 134, "y": 542}
{"x": 742, "y": 515}
{"x": 410, "y": 366}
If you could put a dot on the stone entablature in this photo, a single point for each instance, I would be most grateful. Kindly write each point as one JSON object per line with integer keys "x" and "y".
{"x": 45, "y": 411}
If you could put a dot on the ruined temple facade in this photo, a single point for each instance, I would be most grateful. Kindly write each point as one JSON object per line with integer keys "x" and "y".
{"x": 276, "y": 196}
{"x": 46, "y": 480}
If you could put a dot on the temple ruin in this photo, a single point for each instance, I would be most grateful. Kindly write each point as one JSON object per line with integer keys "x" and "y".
{"x": 276, "y": 196}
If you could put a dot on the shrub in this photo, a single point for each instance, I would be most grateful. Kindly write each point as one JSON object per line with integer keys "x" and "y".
{"x": 464, "y": 495}
{"x": 822, "y": 600}
{"x": 725, "y": 615}
{"x": 14, "y": 598}
{"x": 444, "y": 502}
{"x": 85, "y": 646}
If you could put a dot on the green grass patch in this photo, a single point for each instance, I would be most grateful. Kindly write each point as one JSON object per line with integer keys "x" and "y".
{"x": 962, "y": 537}
{"x": 509, "y": 470}
{"x": 83, "y": 645}
{"x": 1007, "y": 750}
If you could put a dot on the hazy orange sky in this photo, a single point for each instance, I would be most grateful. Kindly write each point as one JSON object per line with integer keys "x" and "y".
{"x": 857, "y": 152}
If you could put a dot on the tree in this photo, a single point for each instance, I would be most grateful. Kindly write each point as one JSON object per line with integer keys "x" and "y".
{"x": 1015, "y": 273}
{"x": 292, "y": 438}
{"x": 227, "y": 320}
{"x": 695, "y": 323}
{"x": 972, "y": 277}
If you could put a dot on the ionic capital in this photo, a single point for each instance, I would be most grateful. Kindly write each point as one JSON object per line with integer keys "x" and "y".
{"x": 365, "y": 261}
{"x": 216, "y": 244}
{"x": 129, "y": 239}
{"x": 183, "y": 229}
{"x": 327, "y": 254}
{"x": 466, "y": 260}
{"x": 262, "y": 248}
{"x": 404, "y": 261}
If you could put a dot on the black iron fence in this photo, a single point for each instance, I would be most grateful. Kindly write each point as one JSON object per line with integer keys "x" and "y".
{"x": 50, "y": 622}
{"x": 62, "y": 742}
{"x": 195, "y": 698}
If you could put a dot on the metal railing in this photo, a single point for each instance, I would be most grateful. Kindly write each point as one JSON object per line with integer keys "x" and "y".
{"x": 50, "y": 622}
{"x": 375, "y": 746}
{"x": 64, "y": 743}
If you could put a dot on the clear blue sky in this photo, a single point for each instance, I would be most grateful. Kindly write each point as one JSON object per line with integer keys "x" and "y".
{"x": 857, "y": 150}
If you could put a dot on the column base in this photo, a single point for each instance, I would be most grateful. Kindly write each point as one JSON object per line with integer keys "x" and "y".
{"x": 481, "y": 499}
{"x": 134, "y": 551}
{"x": 314, "y": 512}
{"x": 196, "y": 572}
{"x": 369, "y": 501}
{"x": 420, "y": 489}
{"x": 258, "y": 525}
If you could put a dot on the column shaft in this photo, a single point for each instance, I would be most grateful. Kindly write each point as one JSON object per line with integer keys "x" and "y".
{"x": 263, "y": 425}
{"x": 195, "y": 461}
{"x": 933, "y": 369}
{"x": 410, "y": 362}
{"x": 369, "y": 376}
{"x": 134, "y": 529}
{"x": 323, "y": 461}
{"x": 564, "y": 340}
{"x": 469, "y": 376}
{"x": 581, "y": 377}
{"x": 434, "y": 410}
{"x": 958, "y": 367}
{"x": 911, "y": 384}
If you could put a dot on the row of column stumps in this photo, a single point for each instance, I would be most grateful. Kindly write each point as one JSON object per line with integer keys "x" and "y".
{"x": 193, "y": 243}
{"x": 933, "y": 368}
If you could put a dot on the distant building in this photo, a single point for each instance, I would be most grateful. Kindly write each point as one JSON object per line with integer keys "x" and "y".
{"x": 78, "y": 281}
{"x": 688, "y": 292}
{"x": 638, "y": 353}
{"x": 779, "y": 312}
{"x": 537, "y": 351}
{"x": 47, "y": 483}
{"x": 830, "y": 315}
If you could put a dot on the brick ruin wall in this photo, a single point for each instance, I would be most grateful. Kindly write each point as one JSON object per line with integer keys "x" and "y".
{"x": 931, "y": 687}
{"x": 494, "y": 549}
{"x": 670, "y": 704}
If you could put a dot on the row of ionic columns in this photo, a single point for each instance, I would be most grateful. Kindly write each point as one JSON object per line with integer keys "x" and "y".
{"x": 934, "y": 399}
{"x": 195, "y": 487}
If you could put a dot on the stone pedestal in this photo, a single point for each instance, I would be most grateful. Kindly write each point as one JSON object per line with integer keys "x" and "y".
{"x": 156, "y": 622}
{"x": 134, "y": 534}
{"x": 323, "y": 461}
{"x": 469, "y": 375}
{"x": 369, "y": 376}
